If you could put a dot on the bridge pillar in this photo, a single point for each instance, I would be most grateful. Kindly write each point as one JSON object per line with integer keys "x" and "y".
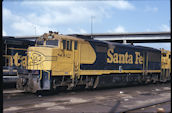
{"x": 124, "y": 41}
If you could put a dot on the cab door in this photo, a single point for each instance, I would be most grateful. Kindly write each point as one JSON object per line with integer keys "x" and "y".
{"x": 70, "y": 62}
{"x": 65, "y": 59}
{"x": 76, "y": 59}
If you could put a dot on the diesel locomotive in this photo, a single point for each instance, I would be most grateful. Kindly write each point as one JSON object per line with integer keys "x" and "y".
{"x": 14, "y": 57}
{"x": 67, "y": 61}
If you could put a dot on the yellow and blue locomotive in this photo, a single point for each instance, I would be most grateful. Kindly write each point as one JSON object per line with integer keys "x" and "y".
{"x": 67, "y": 61}
{"x": 165, "y": 65}
{"x": 14, "y": 57}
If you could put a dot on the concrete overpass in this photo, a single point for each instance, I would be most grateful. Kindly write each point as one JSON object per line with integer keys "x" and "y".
{"x": 138, "y": 37}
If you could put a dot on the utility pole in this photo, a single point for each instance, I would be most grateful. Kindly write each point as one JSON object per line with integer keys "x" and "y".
{"x": 92, "y": 17}
{"x": 34, "y": 26}
{"x": 35, "y": 30}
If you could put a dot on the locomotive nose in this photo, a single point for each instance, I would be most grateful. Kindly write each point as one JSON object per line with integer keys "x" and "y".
{"x": 35, "y": 58}
{"x": 41, "y": 58}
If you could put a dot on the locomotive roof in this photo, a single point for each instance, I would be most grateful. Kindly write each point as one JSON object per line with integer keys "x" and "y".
{"x": 16, "y": 41}
{"x": 98, "y": 42}
{"x": 57, "y": 36}
{"x": 124, "y": 45}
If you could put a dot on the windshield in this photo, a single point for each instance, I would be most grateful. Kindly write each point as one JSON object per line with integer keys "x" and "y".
{"x": 48, "y": 42}
{"x": 52, "y": 42}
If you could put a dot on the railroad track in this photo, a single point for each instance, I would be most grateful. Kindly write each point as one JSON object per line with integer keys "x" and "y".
{"x": 156, "y": 107}
{"x": 10, "y": 90}
{"x": 102, "y": 100}
{"x": 142, "y": 107}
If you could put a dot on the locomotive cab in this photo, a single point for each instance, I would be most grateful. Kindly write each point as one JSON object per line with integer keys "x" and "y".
{"x": 52, "y": 56}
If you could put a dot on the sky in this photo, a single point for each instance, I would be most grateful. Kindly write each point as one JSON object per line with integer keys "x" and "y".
{"x": 29, "y": 17}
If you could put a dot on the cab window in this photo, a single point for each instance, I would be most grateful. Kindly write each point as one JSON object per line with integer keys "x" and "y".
{"x": 52, "y": 42}
{"x": 70, "y": 48}
{"x": 67, "y": 44}
{"x": 75, "y": 45}
{"x": 48, "y": 42}
{"x": 64, "y": 44}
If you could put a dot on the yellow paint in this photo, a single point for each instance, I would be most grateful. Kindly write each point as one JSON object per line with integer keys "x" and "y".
{"x": 123, "y": 58}
{"x": 40, "y": 75}
{"x": 10, "y": 60}
{"x": 60, "y": 61}
{"x": 165, "y": 60}
{"x": 4, "y": 70}
{"x": 110, "y": 59}
{"x": 41, "y": 58}
{"x": 101, "y": 72}
{"x": 139, "y": 58}
{"x": 165, "y": 64}
{"x": 15, "y": 60}
{"x": 88, "y": 55}
{"x": 48, "y": 74}
{"x": 17, "y": 48}
{"x": 23, "y": 61}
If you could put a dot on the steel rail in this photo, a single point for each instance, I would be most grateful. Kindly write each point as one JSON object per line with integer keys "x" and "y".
{"x": 145, "y": 106}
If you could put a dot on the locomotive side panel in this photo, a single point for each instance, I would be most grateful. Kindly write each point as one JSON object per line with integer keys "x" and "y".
{"x": 154, "y": 60}
{"x": 123, "y": 58}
